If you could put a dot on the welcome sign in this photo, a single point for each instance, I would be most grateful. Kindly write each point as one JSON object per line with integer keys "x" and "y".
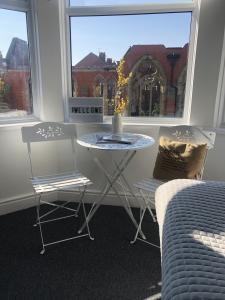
{"x": 86, "y": 109}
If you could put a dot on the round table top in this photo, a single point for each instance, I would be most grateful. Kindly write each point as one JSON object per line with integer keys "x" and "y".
{"x": 124, "y": 141}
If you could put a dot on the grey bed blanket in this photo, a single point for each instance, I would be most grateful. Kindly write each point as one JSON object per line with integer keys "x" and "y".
{"x": 191, "y": 217}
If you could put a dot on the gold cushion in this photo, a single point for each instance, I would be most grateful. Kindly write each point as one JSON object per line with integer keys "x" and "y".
{"x": 179, "y": 160}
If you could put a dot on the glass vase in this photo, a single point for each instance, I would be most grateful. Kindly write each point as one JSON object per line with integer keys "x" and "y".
{"x": 117, "y": 124}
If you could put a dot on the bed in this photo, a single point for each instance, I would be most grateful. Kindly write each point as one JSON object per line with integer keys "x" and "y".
{"x": 191, "y": 217}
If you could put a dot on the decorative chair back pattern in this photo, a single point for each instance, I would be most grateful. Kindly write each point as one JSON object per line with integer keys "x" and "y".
{"x": 189, "y": 134}
{"x": 46, "y": 132}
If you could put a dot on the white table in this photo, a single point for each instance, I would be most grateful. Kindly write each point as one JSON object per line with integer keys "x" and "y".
{"x": 94, "y": 141}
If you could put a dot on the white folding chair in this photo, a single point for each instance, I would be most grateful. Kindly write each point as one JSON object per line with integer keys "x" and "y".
{"x": 147, "y": 187}
{"x": 69, "y": 181}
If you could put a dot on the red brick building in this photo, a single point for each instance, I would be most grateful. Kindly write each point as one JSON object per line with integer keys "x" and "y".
{"x": 95, "y": 76}
{"x": 157, "y": 86}
{"x": 15, "y": 72}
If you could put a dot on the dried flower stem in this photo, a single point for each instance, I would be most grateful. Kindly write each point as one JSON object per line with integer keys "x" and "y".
{"x": 121, "y": 98}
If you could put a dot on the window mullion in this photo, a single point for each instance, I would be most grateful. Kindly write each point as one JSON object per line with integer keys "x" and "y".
{"x": 191, "y": 61}
{"x": 147, "y": 9}
{"x": 219, "y": 114}
{"x": 32, "y": 32}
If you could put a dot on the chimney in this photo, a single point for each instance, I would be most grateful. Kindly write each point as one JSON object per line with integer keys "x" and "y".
{"x": 1, "y": 59}
{"x": 102, "y": 56}
{"x": 109, "y": 61}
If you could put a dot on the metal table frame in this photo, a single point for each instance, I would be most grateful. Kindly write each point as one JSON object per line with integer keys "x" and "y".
{"x": 117, "y": 177}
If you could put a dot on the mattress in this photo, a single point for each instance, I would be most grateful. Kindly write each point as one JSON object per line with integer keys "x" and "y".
{"x": 191, "y": 217}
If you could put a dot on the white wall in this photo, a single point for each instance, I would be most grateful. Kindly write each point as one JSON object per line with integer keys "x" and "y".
{"x": 208, "y": 56}
{"x": 14, "y": 169}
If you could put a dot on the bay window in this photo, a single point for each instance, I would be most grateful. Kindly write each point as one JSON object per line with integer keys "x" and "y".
{"x": 219, "y": 113}
{"x": 16, "y": 76}
{"x": 156, "y": 42}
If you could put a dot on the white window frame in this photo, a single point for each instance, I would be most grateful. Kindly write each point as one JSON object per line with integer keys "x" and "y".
{"x": 29, "y": 8}
{"x": 219, "y": 114}
{"x": 109, "y": 10}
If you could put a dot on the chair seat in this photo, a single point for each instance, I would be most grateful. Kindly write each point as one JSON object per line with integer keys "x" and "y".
{"x": 65, "y": 181}
{"x": 149, "y": 184}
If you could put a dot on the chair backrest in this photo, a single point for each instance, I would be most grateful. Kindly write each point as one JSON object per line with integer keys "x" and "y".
{"x": 46, "y": 132}
{"x": 189, "y": 134}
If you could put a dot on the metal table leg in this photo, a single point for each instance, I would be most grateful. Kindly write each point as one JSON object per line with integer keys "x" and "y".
{"x": 112, "y": 179}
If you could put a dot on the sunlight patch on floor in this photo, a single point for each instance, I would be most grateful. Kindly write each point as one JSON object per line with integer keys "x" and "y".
{"x": 154, "y": 297}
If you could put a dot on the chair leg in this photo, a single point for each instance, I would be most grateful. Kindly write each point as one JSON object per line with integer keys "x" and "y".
{"x": 79, "y": 204}
{"x": 146, "y": 201}
{"x": 85, "y": 213}
{"x": 139, "y": 226}
{"x": 85, "y": 216}
{"x": 39, "y": 224}
{"x": 57, "y": 207}
{"x": 152, "y": 215}
{"x": 39, "y": 219}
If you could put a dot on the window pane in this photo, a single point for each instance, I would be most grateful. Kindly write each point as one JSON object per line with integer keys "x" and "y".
{"x": 121, "y": 2}
{"x": 155, "y": 48}
{"x": 15, "y": 78}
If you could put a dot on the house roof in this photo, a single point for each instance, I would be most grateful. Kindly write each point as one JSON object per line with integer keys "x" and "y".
{"x": 92, "y": 61}
{"x": 159, "y": 53}
{"x": 17, "y": 55}
{"x": 154, "y": 49}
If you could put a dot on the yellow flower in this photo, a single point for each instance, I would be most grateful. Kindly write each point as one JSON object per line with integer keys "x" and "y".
{"x": 121, "y": 98}
{"x": 4, "y": 89}
{"x": 2, "y": 84}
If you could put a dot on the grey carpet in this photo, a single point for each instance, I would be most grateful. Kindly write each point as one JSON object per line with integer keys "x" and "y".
{"x": 107, "y": 268}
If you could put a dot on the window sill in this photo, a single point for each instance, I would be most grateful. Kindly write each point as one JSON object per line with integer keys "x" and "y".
{"x": 145, "y": 121}
{"x": 18, "y": 122}
{"x": 220, "y": 130}
{"x": 127, "y": 121}
{"x": 106, "y": 124}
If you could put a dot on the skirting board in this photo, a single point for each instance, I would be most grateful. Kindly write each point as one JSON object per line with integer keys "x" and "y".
{"x": 22, "y": 202}
{"x": 28, "y": 200}
{"x": 93, "y": 195}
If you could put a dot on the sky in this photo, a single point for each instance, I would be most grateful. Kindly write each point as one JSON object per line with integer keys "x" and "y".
{"x": 12, "y": 24}
{"x": 115, "y": 34}
{"x": 112, "y": 34}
